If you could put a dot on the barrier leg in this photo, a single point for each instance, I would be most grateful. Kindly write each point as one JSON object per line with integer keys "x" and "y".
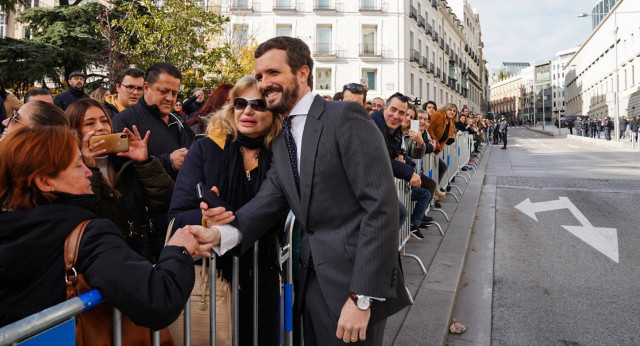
{"x": 117, "y": 327}
{"x": 446, "y": 217}
{"x": 424, "y": 270}
{"x": 187, "y": 323}
{"x": 235, "y": 303}
{"x": 460, "y": 174}
{"x": 453, "y": 194}
{"x": 437, "y": 225}
{"x": 155, "y": 338}
{"x": 255, "y": 294}
{"x": 212, "y": 300}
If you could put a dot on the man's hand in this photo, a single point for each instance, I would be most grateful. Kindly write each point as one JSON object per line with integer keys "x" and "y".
{"x": 183, "y": 237}
{"x": 206, "y": 237}
{"x": 352, "y": 324}
{"x": 177, "y": 157}
{"x": 415, "y": 180}
{"x": 400, "y": 158}
{"x": 216, "y": 216}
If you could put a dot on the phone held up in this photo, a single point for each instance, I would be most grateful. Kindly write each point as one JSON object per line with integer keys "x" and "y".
{"x": 114, "y": 143}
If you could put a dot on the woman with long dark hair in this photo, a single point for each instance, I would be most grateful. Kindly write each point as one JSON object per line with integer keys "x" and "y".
{"x": 219, "y": 97}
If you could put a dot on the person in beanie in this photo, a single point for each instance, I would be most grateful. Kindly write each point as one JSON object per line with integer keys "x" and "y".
{"x": 75, "y": 92}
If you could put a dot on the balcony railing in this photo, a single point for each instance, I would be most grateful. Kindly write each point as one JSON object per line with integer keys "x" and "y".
{"x": 430, "y": 69}
{"x": 434, "y": 3}
{"x": 413, "y": 12}
{"x": 429, "y": 29}
{"x": 438, "y": 72}
{"x": 325, "y": 6}
{"x": 446, "y": 49}
{"x": 435, "y": 36}
{"x": 472, "y": 74}
{"x": 241, "y": 6}
{"x": 421, "y": 21}
{"x": 414, "y": 56}
{"x": 424, "y": 63}
{"x": 325, "y": 50}
{"x": 370, "y": 6}
{"x": 441, "y": 43}
{"x": 370, "y": 50}
{"x": 286, "y": 6}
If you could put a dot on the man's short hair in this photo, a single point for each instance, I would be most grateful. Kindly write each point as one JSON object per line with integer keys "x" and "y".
{"x": 159, "y": 68}
{"x": 337, "y": 96}
{"x": 131, "y": 71}
{"x": 377, "y": 98}
{"x": 298, "y": 53}
{"x": 36, "y": 92}
{"x": 356, "y": 88}
{"x": 424, "y": 105}
{"x": 400, "y": 97}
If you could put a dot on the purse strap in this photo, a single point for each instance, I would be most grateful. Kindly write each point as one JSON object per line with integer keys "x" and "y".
{"x": 71, "y": 247}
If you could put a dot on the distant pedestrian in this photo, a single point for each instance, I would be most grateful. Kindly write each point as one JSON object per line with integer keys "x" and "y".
{"x": 599, "y": 126}
{"x": 503, "y": 128}
{"x": 75, "y": 91}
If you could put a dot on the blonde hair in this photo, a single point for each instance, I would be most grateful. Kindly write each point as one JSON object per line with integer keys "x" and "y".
{"x": 448, "y": 106}
{"x": 223, "y": 122}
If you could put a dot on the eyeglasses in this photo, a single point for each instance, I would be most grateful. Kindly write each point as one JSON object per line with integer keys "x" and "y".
{"x": 131, "y": 88}
{"x": 356, "y": 88}
{"x": 14, "y": 118}
{"x": 377, "y": 106}
{"x": 241, "y": 103}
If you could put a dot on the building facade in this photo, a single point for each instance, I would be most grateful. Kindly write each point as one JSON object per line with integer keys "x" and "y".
{"x": 606, "y": 68}
{"x": 600, "y": 10}
{"x": 427, "y": 49}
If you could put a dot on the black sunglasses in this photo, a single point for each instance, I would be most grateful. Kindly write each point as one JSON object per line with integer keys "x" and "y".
{"x": 241, "y": 103}
{"x": 356, "y": 88}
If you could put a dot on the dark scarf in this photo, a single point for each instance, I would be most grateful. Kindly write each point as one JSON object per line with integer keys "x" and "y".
{"x": 234, "y": 187}
{"x": 75, "y": 92}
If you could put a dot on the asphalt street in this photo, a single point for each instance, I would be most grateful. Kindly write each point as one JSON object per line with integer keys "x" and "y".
{"x": 554, "y": 257}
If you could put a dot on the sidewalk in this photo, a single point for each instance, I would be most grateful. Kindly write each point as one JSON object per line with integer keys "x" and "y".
{"x": 426, "y": 322}
{"x": 624, "y": 143}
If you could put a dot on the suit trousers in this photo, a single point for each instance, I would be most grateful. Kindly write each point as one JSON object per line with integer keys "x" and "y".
{"x": 320, "y": 325}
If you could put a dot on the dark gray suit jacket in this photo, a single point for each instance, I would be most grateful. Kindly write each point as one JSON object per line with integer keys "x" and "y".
{"x": 348, "y": 207}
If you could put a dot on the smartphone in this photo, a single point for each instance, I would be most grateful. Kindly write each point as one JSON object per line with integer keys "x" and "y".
{"x": 114, "y": 143}
{"x": 207, "y": 196}
{"x": 415, "y": 125}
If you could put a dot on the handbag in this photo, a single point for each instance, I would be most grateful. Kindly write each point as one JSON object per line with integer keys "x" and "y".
{"x": 94, "y": 326}
{"x": 200, "y": 304}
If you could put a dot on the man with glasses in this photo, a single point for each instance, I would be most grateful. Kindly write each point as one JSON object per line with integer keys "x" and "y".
{"x": 170, "y": 139}
{"x": 75, "y": 91}
{"x": 129, "y": 89}
{"x": 377, "y": 104}
{"x": 354, "y": 92}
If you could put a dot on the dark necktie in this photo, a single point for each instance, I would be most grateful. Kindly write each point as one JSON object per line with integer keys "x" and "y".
{"x": 291, "y": 148}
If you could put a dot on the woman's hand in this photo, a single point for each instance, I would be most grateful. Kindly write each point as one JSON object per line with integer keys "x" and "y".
{"x": 206, "y": 238}
{"x": 88, "y": 155}
{"x": 137, "y": 145}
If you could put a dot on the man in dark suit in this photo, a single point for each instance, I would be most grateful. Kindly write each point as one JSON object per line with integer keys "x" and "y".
{"x": 330, "y": 166}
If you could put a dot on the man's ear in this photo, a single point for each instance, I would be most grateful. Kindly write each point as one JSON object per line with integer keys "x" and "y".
{"x": 44, "y": 183}
{"x": 146, "y": 86}
{"x": 303, "y": 74}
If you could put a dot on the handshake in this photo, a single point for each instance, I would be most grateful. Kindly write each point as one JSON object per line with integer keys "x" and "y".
{"x": 198, "y": 240}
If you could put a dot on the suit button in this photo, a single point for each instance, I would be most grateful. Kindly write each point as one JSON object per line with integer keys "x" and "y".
{"x": 310, "y": 231}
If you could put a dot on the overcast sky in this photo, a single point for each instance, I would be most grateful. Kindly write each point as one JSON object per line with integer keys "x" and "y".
{"x": 531, "y": 30}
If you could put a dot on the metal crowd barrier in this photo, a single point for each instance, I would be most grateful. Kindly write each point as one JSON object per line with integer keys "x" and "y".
{"x": 56, "y": 325}
{"x": 430, "y": 169}
{"x": 403, "y": 190}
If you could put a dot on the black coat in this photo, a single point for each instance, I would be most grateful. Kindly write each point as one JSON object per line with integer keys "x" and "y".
{"x": 165, "y": 138}
{"x": 32, "y": 265}
{"x": 68, "y": 97}
{"x": 393, "y": 142}
{"x": 3, "y": 113}
{"x": 112, "y": 111}
{"x": 191, "y": 107}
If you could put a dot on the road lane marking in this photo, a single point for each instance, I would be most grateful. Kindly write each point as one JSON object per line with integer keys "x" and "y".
{"x": 602, "y": 239}
{"x": 574, "y": 146}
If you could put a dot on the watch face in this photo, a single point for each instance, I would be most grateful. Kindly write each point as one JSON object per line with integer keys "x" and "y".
{"x": 363, "y": 303}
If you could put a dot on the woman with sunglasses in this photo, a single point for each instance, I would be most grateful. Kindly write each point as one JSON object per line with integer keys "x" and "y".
{"x": 35, "y": 114}
{"x": 132, "y": 188}
{"x": 234, "y": 157}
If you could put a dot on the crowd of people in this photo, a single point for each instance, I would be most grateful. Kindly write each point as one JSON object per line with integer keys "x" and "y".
{"x": 244, "y": 144}
{"x": 594, "y": 127}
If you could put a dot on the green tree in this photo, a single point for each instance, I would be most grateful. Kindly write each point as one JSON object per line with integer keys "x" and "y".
{"x": 22, "y": 63}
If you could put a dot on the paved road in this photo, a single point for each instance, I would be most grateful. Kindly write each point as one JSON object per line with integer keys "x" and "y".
{"x": 532, "y": 282}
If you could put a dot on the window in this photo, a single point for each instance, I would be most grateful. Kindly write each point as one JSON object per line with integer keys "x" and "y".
{"x": 240, "y": 33}
{"x": 323, "y": 4}
{"x": 411, "y": 86}
{"x": 3, "y": 25}
{"x": 242, "y": 3}
{"x": 284, "y": 30}
{"x": 420, "y": 87}
{"x": 369, "y": 39}
{"x": 371, "y": 76}
{"x": 323, "y": 39}
{"x": 283, "y": 4}
{"x": 323, "y": 78}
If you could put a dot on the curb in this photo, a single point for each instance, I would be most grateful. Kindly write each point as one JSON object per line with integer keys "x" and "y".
{"x": 428, "y": 318}
{"x": 544, "y": 132}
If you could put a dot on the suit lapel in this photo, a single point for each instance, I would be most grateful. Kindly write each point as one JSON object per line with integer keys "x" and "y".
{"x": 286, "y": 173}
{"x": 310, "y": 139}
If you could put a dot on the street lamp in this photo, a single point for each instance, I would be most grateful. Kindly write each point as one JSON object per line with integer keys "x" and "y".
{"x": 616, "y": 82}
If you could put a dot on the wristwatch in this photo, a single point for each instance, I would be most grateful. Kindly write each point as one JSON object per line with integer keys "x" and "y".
{"x": 362, "y": 302}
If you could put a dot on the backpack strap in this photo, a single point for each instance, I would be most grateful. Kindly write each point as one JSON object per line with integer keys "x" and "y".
{"x": 71, "y": 246}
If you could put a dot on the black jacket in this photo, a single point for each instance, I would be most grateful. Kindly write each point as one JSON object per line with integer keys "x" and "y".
{"x": 191, "y": 107}
{"x": 112, "y": 111}
{"x": 32, "y": 265}
{"x": 393, "y": 142}
{"x": 165, "y": 138}
{"x": 68, "y": 97}
{"x": 3, "y": 113}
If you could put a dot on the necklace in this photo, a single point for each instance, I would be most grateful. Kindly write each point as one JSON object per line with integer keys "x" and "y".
{"x": 247, "y": 172}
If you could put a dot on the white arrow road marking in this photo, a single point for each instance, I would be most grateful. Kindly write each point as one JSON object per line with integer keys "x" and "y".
{"x": 602, "y": 239}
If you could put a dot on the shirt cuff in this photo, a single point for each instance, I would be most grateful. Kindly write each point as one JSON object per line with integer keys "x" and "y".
{"x": 229, "y": 238}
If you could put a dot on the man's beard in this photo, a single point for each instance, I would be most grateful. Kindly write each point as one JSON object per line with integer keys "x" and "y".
{"x": 78, "y": 86}
{"x": 287, "y": 101}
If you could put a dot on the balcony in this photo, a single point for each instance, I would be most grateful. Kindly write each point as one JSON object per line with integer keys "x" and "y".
{"x": 325, "y": 6}
{"x": 241, "y": 6}
{"x": 413, "y": 12}
{"x": 434, "y": 3}
{"x": 325, "y": 51}
{"x": 285, "y": 6}
{"x": 429, "y": 29}
{"x": 414, "y": 56}
{"x": 438, "y": 72}
{"x": 430, "y": 69}
{"x": 465, "y": 92}
{"x": 373, "y": 52}
{"x": 421, "y": 22}
{"x": 435, "y": 36}
{"x": 370, "y": 6}
{"x": 424, "y": 63}
{"x": 446, "y": 49}
{"x": 441, "y": 43}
